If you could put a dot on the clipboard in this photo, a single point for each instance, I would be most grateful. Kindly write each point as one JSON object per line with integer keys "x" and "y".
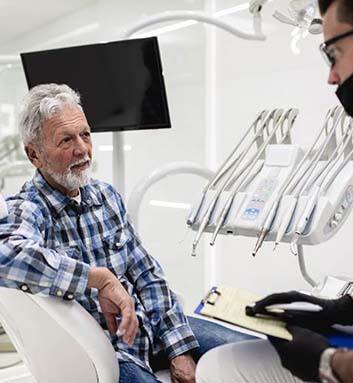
{"x": 205, "y": 300}
{"x": 228, "y": 304}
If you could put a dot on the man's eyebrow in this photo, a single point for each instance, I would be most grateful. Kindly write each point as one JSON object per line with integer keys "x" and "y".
{"x": 66, "y": 131}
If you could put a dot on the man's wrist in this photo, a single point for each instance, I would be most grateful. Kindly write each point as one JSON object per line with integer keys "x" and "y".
{"x": 186, "y": 354}
{"x": 98, "y": 277}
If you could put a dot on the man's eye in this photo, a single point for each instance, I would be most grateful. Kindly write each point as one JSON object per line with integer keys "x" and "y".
{"x": 65, "y": 140}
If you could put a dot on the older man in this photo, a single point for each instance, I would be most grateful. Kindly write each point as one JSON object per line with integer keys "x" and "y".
{"x": 69, "y": 236}
{"x": 308, "y": 356}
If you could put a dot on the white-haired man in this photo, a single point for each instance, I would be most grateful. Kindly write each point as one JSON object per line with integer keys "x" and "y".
{"x": 69, "y": 236}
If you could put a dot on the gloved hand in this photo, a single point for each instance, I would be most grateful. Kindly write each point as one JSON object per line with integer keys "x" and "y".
{"x": 334, "y": 311}
{"x": 301, "y": 356}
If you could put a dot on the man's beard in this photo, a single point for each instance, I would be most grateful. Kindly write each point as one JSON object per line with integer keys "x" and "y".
{"x": 71, "y": 181}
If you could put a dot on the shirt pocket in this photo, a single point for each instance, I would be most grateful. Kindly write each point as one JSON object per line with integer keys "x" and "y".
{"x": 116, "y": 251}
{"x": 116, "y": 241}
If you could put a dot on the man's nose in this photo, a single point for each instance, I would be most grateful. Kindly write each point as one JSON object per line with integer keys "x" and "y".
{"x": 333, "y": 77}
{"x": 81, "y": 147}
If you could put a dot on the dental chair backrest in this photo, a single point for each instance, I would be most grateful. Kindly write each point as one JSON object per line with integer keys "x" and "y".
{"x": 58, "y": 340}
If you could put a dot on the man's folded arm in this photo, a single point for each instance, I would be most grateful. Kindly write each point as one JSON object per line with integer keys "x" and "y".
{"x": 25, "y": 262}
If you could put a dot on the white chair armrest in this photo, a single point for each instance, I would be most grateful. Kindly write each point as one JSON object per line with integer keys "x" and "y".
{"x": 58, "y": 340}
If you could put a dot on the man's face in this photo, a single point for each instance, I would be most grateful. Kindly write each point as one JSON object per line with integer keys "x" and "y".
{"x": 343, "y": 49}
{"x": 64, "y": 152}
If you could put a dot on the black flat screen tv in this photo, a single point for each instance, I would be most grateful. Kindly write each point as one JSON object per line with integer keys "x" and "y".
{"x": 121, "y": 83}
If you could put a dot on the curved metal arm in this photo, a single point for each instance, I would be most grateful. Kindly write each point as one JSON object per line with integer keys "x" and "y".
{"x": 198, "y": 16}
{"x": 302, "y": 266}
{"x": 172, "y": 168}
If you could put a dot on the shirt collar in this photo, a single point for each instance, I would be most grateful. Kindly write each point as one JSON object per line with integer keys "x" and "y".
{"x": 58, "y": 200}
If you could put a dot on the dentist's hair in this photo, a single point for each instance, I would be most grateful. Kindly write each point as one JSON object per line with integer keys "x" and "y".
{"x": 40, "y": 104}
{"x": 344, "y": 9}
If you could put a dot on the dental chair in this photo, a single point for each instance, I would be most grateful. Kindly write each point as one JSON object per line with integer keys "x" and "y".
{"x": 58, "y": 341}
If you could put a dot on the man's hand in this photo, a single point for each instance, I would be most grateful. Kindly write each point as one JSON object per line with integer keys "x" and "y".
{"x": 301, "y": 356}
{"x": 114, "y": 300}
{"x": 334, "y": 311}
{"x": 182, "y": 369}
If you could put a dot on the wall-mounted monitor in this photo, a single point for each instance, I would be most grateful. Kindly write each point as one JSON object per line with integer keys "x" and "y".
{"x": 121, "y": 83}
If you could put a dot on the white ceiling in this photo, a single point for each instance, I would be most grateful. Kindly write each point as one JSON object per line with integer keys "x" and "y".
{"x": 44, "y": 24}
{"x": 18, "y": 17}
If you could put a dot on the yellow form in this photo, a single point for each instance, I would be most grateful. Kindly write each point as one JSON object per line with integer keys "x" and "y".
{"x": 228, "y": 304}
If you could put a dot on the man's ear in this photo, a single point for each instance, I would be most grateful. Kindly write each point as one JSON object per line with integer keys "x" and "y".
{"x": 34, "y": 155}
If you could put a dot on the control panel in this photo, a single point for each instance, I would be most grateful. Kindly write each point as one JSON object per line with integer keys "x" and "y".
{"x": 261, "y": 195}
{"x": 342, "y": 209}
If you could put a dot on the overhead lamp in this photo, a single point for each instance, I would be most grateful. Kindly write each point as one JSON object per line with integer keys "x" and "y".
{"x": 301, "y": 15}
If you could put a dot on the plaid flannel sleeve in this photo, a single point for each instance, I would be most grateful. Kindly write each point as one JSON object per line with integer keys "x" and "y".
{"x": 165, "y": 313}
{"x": 25, "y": 261}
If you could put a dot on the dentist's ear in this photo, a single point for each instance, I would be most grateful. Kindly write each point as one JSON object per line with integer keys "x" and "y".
{"x": 33, "y": 155}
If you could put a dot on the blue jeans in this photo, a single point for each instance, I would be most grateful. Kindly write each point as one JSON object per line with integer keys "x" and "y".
{"x": 208, "y": 334}
{"x": 132, "y": 373}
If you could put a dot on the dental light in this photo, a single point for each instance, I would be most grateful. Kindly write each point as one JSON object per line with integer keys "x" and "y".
{"x": 301, "y": 15}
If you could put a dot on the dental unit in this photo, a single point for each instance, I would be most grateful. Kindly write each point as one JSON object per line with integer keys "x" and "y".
{"x": 274, "y": 190}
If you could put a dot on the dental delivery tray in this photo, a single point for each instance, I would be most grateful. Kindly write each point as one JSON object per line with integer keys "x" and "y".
{"x": 250, "y": 207}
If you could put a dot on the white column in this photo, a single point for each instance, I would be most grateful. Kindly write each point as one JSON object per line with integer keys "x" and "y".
{"x": 118, "y": 163}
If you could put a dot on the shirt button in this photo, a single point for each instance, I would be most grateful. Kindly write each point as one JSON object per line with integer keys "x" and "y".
{"x": 59, "y": 293}
{"x": 24, "y": 288}
{"x": 70, "y": 297}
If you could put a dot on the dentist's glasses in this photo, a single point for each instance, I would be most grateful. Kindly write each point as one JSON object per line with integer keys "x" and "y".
{"x": 329, "y": 52}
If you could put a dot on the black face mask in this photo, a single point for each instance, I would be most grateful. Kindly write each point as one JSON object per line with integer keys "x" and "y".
{"x": 345, "y": 95}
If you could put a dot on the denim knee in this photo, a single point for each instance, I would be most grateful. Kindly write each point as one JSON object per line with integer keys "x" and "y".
{"x": 210, "y": 335}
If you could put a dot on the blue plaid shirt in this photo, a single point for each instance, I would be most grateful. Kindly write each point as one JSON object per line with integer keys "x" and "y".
{"x": 49, "y": 241}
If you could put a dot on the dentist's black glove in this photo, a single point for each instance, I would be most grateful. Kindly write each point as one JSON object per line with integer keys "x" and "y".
{"x": 334, "y": 311}
{"x": 301, "y": 356}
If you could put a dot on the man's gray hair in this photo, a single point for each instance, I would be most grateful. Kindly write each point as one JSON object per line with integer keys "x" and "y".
{"x": 40, "y": 104}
